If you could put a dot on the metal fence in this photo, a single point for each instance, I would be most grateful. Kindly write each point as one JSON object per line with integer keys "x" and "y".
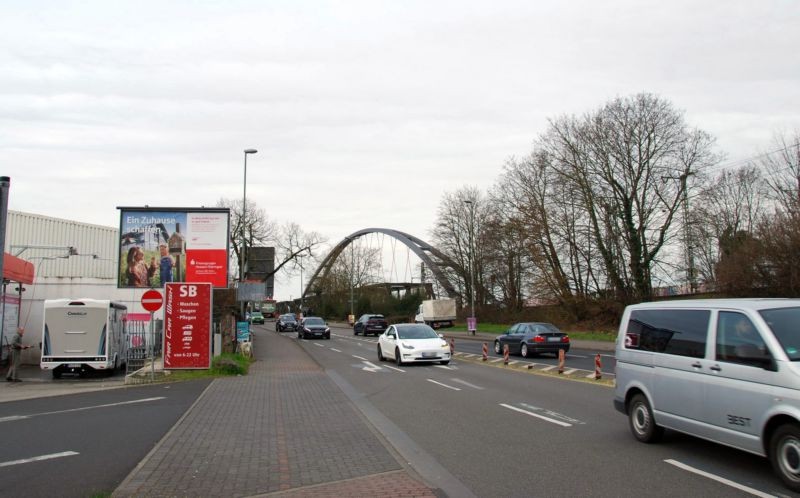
{"x": 144, "y": 345}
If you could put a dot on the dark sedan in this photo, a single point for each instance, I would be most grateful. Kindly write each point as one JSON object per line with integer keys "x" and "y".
{"x": 370, "y": 324}
{"x": 286, "y": 322}
{"x": 313, "y": 326}
{"x": 528, "y": 339}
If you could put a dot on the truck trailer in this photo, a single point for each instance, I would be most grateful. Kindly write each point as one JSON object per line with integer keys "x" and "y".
{"x": 438, "y": 313}
{"x": 83, "y": 335}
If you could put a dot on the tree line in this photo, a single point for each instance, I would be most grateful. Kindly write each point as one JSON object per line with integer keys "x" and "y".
{"x": 624, "y": 204}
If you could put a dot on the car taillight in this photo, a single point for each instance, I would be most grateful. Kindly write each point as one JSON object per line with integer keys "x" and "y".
{"x": 538, "y": 338}
{"x": 565, "y": 338}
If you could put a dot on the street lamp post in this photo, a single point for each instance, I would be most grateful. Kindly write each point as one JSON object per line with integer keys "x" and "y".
{"x": 242, "y": 251}
{"x": 471, "y": 261}
{"x": 301, "y": 282}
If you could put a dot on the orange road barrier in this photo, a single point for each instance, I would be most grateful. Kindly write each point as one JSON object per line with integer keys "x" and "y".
{"x": 485, "y": 351}
{"x": 505, "y": 354}
{"x": 597, "y": 366}
{"x": 452, "y": 346}
{"x": 561, "y": 357}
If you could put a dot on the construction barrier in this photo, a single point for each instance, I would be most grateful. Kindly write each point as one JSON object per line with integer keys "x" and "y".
{"x": 485, "y": 351}
{"x": 452, "y": 346}
{"x": 598, "y": 374}
{"x": 505, "y": 354}
{"x": 561, "y": 358}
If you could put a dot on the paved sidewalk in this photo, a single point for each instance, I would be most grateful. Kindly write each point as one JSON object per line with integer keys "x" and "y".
{"x": 285, "y": 429}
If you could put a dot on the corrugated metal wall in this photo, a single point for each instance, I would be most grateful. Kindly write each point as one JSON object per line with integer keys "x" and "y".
{"x": 45, "y": 242}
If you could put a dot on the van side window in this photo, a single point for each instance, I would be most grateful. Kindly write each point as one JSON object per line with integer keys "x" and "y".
{"x": 738, "y": 341}
{"x": 678, "y": 332}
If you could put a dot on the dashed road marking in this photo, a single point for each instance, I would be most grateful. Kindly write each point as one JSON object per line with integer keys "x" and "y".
{"x": 548, "y": 368}
{"x": 337, "y": 350}
{"x": 444, "y": 367}
{"x": 444, "y": 385}
{"x": 464, "y": 382}
{"x": 570, "y": 371}
{"x": 394, "y": 368}
{"x": 526, "y": 412}
{"x": 39, "y": 458}
{"x": 719, "y": 479}
{"x": 359, "y": 358}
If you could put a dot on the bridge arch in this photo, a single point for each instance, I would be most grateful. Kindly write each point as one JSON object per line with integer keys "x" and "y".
{"x": 432, "y": 257}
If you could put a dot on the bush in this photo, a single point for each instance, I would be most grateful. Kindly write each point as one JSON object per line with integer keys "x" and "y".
{"x": 230, "y": 364}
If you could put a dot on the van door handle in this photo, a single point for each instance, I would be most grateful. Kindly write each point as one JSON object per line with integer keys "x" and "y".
{"x": 697, "y": 365}
{"x": 716, "y": 368}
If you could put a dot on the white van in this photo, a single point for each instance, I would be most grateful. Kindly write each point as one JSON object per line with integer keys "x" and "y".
{"x": 726, "y": 370}
{"x": 80, "y": 335}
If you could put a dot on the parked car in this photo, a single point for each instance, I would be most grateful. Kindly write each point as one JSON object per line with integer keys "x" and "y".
{"x": 313, "y": 326}
{"x": 286, "y": 322}
{"x": 412, "y": 343}
{"x": 370, "y": 324}
{"x": 257, "y": 317}
{"x": 528, "y": 339}
{"x": 725, "y": 370}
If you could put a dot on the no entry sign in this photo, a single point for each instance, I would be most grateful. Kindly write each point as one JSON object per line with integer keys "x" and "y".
{"x": 152, "y": 300}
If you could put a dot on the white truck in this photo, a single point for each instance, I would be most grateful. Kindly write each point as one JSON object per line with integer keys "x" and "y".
{"x": 438, "y": 313}
{"x": 82, "y": 335}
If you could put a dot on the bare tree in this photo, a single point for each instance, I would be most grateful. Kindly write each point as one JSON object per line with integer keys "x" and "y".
{"x": 628, "y": 164}
{"x": 256, "y": 229}
{"x": 782, "y": 170}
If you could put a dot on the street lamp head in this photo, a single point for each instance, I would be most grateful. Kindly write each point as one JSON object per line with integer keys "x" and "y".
{"x": 250, "y": 151}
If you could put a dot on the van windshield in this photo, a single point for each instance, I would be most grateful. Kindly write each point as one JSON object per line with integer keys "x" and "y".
{"x": 785, "y": 324}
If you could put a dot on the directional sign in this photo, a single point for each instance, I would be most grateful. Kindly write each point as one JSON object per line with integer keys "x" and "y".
{"x": 152, "y": 300}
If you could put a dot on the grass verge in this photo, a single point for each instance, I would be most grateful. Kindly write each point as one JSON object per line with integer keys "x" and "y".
{"x": 224, "y": 365}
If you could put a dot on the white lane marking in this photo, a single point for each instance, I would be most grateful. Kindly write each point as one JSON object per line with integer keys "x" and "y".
{"x": 557, "y": 422}
{"x": 570, "y": 371}
{"x": 468, "y": 355}
{"x": 318, "y": 344}
{"x": 547, "y": 369}
{"x": 496, "y": 360}
{"x": 590, "y": 376}
{"x": 370, "y": 367}
{"x": 39, "y": 458}
{"x": 444, "y": 367}
{"x": 467, "y": 384}
{"x": 717, "y": 478}
{"x": 334, "y": 349}
{"x": 393, "y": 368}
{"x": 577, "y": 356}
{"x": 359, "y": 358}
{"x": 550, "y": 413}
{"x": 20, "y": 417}
{"x": 444, "y": 385}
{"x": 513, "y": 362}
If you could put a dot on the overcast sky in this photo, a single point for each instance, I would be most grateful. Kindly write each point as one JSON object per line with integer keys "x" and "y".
{"x": 363, "y": 113}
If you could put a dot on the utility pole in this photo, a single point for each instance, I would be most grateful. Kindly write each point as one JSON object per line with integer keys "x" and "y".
{"x": 687, "y": 230}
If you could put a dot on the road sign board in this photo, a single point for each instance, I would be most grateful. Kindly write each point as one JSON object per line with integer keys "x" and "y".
{"x": 152, "y": 300}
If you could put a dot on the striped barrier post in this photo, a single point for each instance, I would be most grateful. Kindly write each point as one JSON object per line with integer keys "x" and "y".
{"x": 505, "y": 354}
{"x": 561, "y": 357}
{"x": 485, "y": 351}
{"x": 452, "y": 346}
{"x": 598, "y": 374}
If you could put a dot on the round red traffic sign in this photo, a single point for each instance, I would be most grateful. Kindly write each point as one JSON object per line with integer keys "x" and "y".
{"x": 152, "y": 300}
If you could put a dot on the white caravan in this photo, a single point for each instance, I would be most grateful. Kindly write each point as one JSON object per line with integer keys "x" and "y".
{"x": 81, "y": 335}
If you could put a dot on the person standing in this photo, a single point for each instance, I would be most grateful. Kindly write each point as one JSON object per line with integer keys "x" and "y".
{"x": 16, "y": 349}
{"x": 166, "y": 265}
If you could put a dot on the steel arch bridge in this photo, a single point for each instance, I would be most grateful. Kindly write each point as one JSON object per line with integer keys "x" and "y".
{"x": 434, "y": 259}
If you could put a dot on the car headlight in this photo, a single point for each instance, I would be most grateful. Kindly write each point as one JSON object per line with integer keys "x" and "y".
{"x": 445, "y": 346}
{"x": 406, "y": 345}
{"x": 327, "y": 330}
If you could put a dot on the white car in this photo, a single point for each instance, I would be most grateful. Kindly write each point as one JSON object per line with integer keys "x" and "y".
{"x": 411, "y": 343}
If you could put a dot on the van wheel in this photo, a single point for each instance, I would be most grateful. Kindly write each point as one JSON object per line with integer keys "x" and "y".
{"x": 784, "y": 454}
{"x": 641, "y": 420}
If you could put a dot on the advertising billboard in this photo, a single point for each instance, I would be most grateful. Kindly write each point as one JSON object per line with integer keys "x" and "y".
{"x": 162, "y": 245}
{"x": 187, "y": 326}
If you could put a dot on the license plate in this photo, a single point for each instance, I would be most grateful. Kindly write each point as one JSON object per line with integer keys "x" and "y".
{"x": 429, "y": 355}
{"x": 553, "y": 339}
{"x": 74, "y": 365}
